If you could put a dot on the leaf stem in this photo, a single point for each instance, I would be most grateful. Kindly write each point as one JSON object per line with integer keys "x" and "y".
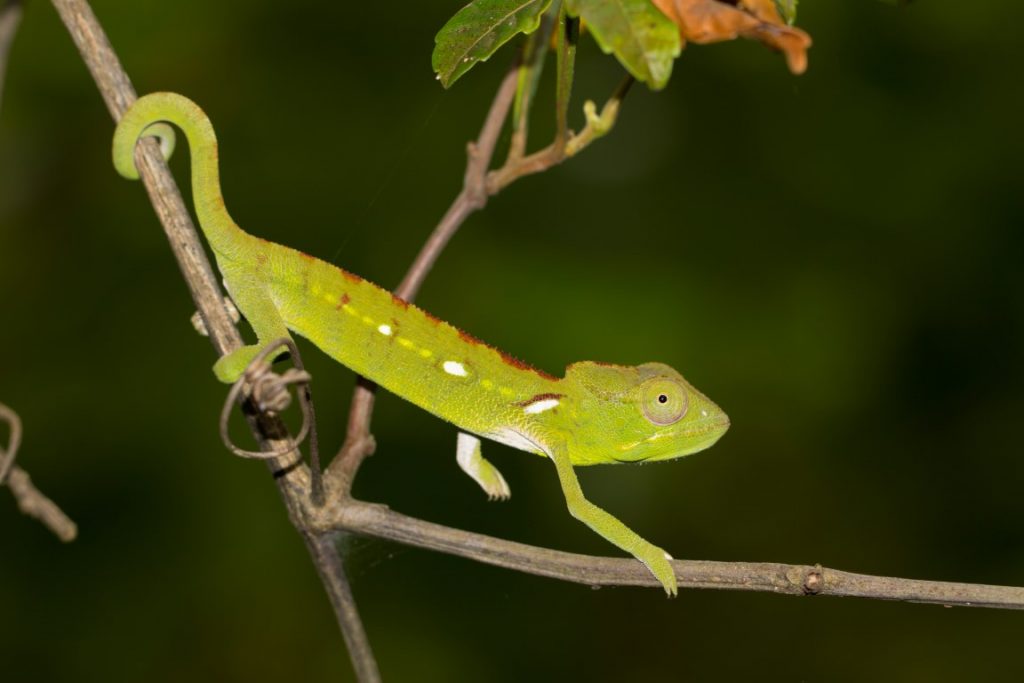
{"x": 535, "y": 51}
{"x": 568, "y": 36}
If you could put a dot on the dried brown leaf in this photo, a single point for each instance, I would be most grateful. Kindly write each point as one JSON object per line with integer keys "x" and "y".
{"x": 711, "y": 21}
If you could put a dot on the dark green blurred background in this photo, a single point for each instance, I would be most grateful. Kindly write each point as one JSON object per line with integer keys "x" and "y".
{"x": 836, "y": 259}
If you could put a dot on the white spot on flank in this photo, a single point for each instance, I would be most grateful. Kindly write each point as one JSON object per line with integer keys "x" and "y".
{"x": 453, "y": 368}
{"x": 541, "y": 406}
{"x": 704, "y": 413}
{"x": 385, "y": 330}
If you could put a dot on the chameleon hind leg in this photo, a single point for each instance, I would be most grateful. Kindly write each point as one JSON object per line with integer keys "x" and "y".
{"x": 253, "y": 300}
{"x": 654, "y": 558}
{"x": 473, "y": 463}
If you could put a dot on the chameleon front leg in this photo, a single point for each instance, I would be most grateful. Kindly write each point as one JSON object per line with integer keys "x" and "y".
{"x": 653, "y": 557}
{"x": 473, "y": 463}
{"x": 253, "y": 300}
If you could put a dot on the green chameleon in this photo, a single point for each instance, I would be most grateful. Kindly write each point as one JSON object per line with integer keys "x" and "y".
{"x": 597, "y": 413}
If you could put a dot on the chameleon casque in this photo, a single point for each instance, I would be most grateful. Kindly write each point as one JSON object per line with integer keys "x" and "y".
{"x": 597, "y": 413}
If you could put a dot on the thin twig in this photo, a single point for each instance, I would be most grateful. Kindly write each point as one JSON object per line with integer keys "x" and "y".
{"x": 785, "y": 579}
{"x": 597, "y": 126}
{"x": 31, "y": 501}
{"x": 474, "y": 189}
{"x": 293, "y": 481}
{"x": 568, "y": 35}
{"x": 10, "y": 18}
{"x": 8, "y": 455}
{"x": 335, "y": 580}
{"x": 531, "y": 68}
{"x": 35, "y": 504}
{"x": 358, "y": 441}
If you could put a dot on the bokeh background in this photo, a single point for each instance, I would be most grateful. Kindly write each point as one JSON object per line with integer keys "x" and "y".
{"x": 834, "y": 258}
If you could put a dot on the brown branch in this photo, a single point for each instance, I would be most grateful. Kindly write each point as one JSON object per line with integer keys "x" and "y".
{"x": 10, "y": 19}
{"x": 30, "y": 500}
{"x": 292, "y": 478}
{"x": 785, "y": 579}
{"x": 335, "y": 580}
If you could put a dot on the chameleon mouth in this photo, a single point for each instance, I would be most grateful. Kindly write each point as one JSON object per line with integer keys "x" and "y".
{"x": 699, "y": 435}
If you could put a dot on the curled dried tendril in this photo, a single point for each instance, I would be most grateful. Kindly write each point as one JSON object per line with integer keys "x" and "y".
{"x": 8, "y": 455}
{"x": 269, "y": 392}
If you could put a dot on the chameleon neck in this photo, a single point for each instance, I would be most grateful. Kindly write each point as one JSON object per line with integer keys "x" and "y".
{"x": 144, "y": 119}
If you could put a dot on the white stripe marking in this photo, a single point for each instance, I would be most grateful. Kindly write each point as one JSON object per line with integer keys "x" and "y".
{"x": 385, "y": 330}
{"x": 454, "y": 368}
{"x": 541, "y": 406}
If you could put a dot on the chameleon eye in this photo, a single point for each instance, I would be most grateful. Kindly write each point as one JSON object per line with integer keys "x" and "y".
{"x": 664, "y": 401}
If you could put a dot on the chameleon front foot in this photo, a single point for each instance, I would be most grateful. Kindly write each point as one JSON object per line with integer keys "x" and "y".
{"x": 473, "y": 463}
{"x": 658, "y": 562}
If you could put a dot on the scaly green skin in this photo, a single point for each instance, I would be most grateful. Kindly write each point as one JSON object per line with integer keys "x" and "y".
{"x": 597, "y": 413}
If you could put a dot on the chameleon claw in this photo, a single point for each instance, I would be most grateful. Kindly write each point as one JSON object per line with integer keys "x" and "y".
{"x": 658, "y": 562}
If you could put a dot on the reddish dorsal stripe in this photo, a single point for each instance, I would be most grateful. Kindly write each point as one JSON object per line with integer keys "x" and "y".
{"x": 470, "y": 339}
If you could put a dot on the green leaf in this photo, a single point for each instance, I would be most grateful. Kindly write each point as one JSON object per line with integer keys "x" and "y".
{"x": 787, "y": 8}
{"x": 643, "y": 39}
{"x": 478, "y": 30}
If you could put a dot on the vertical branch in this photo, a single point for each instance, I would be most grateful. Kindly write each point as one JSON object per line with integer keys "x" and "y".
{"x": 292, "y": 479}
{"x": 335, "y": 580}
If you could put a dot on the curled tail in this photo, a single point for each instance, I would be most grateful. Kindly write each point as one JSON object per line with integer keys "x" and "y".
{"x": 149, "y": 116}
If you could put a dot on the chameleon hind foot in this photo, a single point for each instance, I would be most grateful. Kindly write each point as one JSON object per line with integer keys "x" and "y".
{"x": 473, "y": 463}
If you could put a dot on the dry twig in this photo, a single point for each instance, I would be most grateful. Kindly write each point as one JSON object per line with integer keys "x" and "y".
{"x": 31, "y": 500}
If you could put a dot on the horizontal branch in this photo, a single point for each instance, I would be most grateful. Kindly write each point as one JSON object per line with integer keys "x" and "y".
{"x": 770, "y": 577}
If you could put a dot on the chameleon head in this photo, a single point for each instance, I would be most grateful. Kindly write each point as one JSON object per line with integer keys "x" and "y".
{"x": 638, "y": 413}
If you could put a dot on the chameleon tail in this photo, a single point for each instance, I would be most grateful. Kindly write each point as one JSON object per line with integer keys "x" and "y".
{"x": 148, "y": 116}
